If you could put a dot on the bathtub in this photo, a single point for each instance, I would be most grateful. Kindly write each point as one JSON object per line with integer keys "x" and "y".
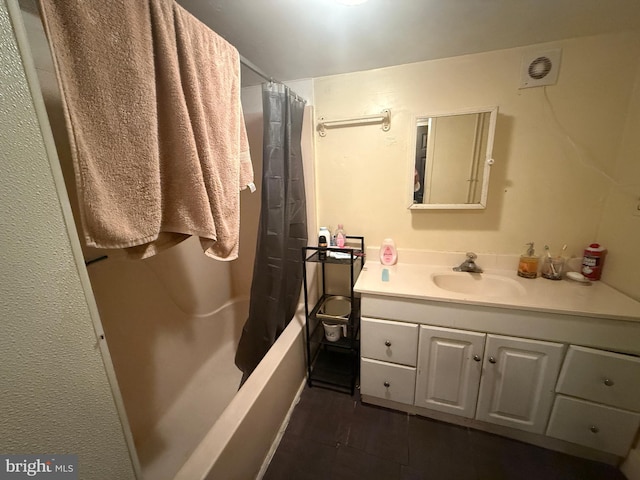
{"x": 172, "y": 325}
{"x": 239, "y": 445}
{"x": 210, "y": 422}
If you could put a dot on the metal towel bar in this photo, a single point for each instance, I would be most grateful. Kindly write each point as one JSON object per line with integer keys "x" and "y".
{"x": 384, "y": 118}
{"x": 94, "y": 260}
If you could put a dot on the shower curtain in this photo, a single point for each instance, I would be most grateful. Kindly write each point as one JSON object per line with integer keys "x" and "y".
{"x": 277, "y": 271}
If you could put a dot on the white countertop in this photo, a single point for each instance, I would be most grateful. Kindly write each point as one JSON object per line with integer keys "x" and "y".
{"x": 413, "y": 281}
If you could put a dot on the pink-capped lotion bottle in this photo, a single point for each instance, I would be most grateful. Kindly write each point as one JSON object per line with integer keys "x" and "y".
{"x": 388, "y": 252}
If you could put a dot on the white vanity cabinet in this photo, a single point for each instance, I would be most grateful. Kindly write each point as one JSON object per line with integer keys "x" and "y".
{"x": 512, "y": 372}
{"x": 555, "y": 364}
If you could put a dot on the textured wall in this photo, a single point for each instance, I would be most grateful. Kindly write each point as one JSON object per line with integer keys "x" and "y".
{"x": 55, "y": 395}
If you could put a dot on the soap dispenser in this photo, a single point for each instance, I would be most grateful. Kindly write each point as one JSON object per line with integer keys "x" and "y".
{"x": 528, "y": 266}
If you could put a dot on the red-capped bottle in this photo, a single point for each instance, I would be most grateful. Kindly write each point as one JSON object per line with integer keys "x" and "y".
{"x": 592, "y": 261}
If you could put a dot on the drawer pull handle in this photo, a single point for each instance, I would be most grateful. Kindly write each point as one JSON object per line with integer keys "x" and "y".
{"x": 387, "y": 384}
{"x": 477, "y": 358}
{"x": 594, "y": 429}
{"x": 387, "y": 343}
{"x": 608, "y": 382}
{"x": 492, "y": 360}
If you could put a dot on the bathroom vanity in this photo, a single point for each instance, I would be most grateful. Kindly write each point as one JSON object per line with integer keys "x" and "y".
{"x": 553, "y": 363}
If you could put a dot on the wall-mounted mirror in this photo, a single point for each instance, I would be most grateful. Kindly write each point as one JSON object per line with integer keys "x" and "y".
{"x": 452, "y": 159}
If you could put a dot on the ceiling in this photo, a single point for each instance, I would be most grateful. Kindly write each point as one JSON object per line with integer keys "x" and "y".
{"x": 296, "y": 39}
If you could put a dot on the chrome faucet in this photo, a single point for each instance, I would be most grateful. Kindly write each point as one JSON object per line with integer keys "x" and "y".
{"x": 469, "y": 265}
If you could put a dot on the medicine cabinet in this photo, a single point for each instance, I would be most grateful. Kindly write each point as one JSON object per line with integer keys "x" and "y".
{"x": 451, "y": 162}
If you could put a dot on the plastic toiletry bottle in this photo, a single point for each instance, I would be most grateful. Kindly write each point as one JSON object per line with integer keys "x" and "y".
{"x": 388, "y": 252}
{"x": 593, "y": 260}
{"x": 322, "y": 245}
{"x": 324, "y": 232}
{"x": 340, "y": 236}
{"x": 528, "y": 266}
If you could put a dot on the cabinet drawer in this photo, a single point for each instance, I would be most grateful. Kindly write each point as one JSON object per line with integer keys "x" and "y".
{"x": 603, "y": 377}
{"x": 387, "y": 380}
{"x": 597, "y": 426}
{"x": 389, "y": 341}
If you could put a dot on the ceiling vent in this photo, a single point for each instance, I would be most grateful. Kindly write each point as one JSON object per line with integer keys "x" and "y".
{"x": 540, "y": 68}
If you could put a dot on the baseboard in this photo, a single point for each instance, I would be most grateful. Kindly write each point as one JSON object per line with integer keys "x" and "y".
{"x": 283, "y": 428}
{"x": 631, "y": 466}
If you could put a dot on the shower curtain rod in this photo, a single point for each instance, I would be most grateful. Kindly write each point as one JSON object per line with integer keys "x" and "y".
{"x": 254, "y": 68}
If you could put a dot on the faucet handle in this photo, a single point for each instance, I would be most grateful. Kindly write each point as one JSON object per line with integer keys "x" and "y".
{"x": 471, "y": 256}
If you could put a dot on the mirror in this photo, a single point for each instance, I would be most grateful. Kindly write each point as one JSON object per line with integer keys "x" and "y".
{"x": 452, "y": 159}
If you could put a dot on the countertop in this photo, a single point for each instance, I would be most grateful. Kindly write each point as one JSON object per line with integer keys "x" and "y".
{"x": 413, "y": 281}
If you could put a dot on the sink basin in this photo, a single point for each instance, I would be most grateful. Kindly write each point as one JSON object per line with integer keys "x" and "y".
{"x": 478, "y": 284}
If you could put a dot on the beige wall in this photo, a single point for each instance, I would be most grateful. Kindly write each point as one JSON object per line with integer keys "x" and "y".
{"x": 55, "y": 395}
{"x": 543, "y": 187}
{"x": 619, "y": 229}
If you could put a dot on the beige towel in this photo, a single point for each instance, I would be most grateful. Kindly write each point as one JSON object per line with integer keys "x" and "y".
{"x": 150, "y": 168}
{"x": 210, "y": 74}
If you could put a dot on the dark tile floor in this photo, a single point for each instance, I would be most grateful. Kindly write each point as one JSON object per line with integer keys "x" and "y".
{"x": 332, "y": 436}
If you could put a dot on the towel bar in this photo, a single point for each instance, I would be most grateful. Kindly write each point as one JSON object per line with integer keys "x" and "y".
{"x": 94, "y": 260}
{"x": 384, "y": 118}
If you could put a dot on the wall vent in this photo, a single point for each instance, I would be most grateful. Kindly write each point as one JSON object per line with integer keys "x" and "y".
{"x": 540, "y": 68}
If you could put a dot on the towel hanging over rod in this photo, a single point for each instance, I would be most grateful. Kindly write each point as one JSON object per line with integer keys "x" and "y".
{"x": 384, "y": 118}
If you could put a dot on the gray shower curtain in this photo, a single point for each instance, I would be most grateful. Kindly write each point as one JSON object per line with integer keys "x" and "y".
{"x": 277, "y": 271}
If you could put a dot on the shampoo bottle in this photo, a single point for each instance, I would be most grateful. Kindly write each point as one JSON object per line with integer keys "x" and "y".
{"x": 388, "y": 252}
{"x": 528, "y": 266}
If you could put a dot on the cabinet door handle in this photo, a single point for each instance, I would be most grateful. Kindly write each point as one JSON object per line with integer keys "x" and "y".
{"x": 477, "y": 357}
{"x": 387, "y": 343}
{"x": 594, "y": 429}
{"x": 387, "y": 384}
{"x": 492, "y": 360}
{"x": 608, "y": 382}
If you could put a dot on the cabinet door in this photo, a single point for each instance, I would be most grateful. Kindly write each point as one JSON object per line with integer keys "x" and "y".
{"x": 518, "y": 380}
{"x": 449, "y": 368}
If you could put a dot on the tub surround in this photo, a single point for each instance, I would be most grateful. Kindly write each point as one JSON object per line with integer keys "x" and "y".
{"x": 532, "y": 361}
